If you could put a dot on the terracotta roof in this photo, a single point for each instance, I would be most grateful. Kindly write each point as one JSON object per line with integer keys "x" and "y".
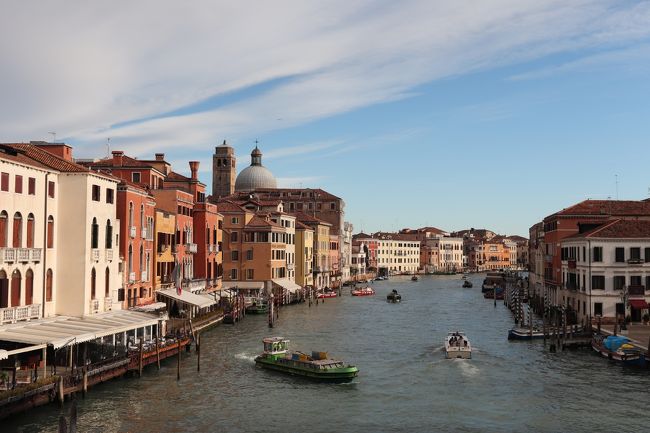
{"x": 281, "y": 193}
{"x": 127, "y": 162}
{"x": 617, "y": 229}
{"x": 517, "y": 238}
{"x": 361, "y": 235}
{"x": 606, "y": 208}
{"x": 301, "y": 226}
{"x": 173, "y": 176}
{"x": 258, "y": 221}
{"x": 48, "y": 159}
{"x": 307, "y": 219}
{"x": 16, "y": 155}
{"x": 229, "y": 206}
{"x": 395, "y": 236}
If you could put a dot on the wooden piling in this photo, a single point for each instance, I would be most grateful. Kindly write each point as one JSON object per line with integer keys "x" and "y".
{"x": 158, "y": 351}
{"x": 84, "y": 388}
{"x": 140, "y": 357}
{"x": 271, "y": 306}
{"x": 178, "y": 364}
{"x": 59, "y": 387}
{"x": 198, "y": 351}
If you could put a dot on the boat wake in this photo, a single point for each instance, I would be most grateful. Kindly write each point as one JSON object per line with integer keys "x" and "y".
{"x": 467, "y": 368}
{"x": 245, "y": 357}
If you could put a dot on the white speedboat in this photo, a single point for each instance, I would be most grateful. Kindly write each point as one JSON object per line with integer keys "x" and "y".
{"x": 457, "y": 346}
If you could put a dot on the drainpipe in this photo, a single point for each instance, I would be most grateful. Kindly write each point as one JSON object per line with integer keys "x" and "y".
{"x": 590, "y": 282}
{"x": 44, "y": 257}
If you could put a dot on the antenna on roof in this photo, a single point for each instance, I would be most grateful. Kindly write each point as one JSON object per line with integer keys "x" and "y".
{"x": 108, "y": 147}
{"x": 53, "y": 134}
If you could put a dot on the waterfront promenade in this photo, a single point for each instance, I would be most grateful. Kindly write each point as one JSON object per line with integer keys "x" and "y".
{"x": 405, "y": 384}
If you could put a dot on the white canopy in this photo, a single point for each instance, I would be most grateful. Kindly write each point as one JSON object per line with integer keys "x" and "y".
{"x": 287, "y": 284}
{"x": 188, "y": 298}
{"x": 59, "y": 331}
{"x": 151, "y": 307}
{"x": 245, "y": 285}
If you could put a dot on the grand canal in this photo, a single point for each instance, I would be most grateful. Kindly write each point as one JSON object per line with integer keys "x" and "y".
{"x": 405, "y": 383}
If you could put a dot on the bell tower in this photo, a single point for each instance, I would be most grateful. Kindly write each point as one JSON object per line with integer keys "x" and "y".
{"x": 223, "y": 171}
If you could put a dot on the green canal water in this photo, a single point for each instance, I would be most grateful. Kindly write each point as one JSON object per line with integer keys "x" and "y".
{"x": 405, "y": 383}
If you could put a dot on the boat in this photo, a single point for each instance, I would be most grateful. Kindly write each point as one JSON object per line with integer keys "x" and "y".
{"x": 414, "y": 278}
{"x": 326, "y": 294}
{"x": 490, "y": 293}
{"x": 537, "y": 334}
{"x": 276, "y": 356}
{"x": 457, "y": 346}
{"x": 493, "y": 280}
{"x": 394, "y": 297}
{"x": 467, "y": 284}
{"x": 258, "y": 306}
{"x": 618, "y": 348}
{"x": 362, "y": 291}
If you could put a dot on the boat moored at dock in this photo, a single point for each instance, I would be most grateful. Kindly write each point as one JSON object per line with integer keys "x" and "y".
{"x": 467, "y": 284}
{"x": 326, "y": 294}
{"x": 457, "y": 346}
{"x": 618, "y": 348}
{"x": 318, "y": 366}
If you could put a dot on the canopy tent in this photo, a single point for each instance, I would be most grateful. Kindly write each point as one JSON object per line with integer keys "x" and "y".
{"x": 58, "y": 331}
{"x": 188, "y": 298}
{"x": 287, "y": 284}
{"x": 243, "y": 285}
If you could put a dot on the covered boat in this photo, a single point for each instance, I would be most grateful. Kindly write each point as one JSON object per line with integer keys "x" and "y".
{"x": 394, "y": 297}
{"x": 618, "y": 348}
{"x": 490, "y": 293}
{"x": 467, "y": 284}
{"x": 457, "y": 346}
{"x": 257, "y": 306}
{"x": 318, "y": 366}
{"x": 362, "y": 291}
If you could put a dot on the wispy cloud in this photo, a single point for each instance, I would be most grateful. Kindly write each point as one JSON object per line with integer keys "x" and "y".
{"x": 100, "y": 69}
{"x": 299, "y": 182}
{"x": 283, "y": 152}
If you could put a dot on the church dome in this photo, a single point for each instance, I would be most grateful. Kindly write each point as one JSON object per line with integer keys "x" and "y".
{"x": 255, "y": 176}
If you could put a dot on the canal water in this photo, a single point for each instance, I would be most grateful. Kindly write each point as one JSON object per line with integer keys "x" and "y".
{"x": 405, "y": 383}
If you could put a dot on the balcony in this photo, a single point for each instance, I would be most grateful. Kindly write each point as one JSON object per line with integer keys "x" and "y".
{"x": 108, "y": 304}
{"x": 109, "y": 255}
{"x": 635, "y": 261}
{"x": 143, "y": 233}
{"x": 35, "y": 254}
{"x": 7, "y": 255}
{"x": 144, "y": 276}
{"x": 290, "y": 266}
{"x": 190, "y": 248}
{"x": 193, "y": 285}
{"x": 94, "y": 305}
{"x": 132, "y": 231}
{"x": 131, "y": 277}
{"x": 22, "y": 255}
{"x": 94, "y": 254}
{"x": 17, "y": 314}
{"x": 634, "y": 291}
{"x": 571, "y": 263}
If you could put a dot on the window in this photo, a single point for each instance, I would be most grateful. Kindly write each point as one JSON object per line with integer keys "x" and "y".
{"x": 18, "y": 230}
{"x": 30, "y": 231}
{"x": 249, "y": 255}
{"x": 635, "y": 253}
{"x": 620, "y": 254}
{"x": 48, "y": 285}
{"x": 107, "y": 283}
{"x": 19, "y": 184}
{"x": 234, "y": 237}
{"x": 598, "y": 308}
{"x": 598, "y": 254}
{"x": 50, "y": 189}
{"x": 31, "y": 186}
{"x": 234, "y": 255}
{"x": 635, "y": 280}
{"x": 108, "y": 244}
{"x": 93, "y": 282}
{"x": 233, "y": 274}
{"x": 250, "y": 273}
{"x": 234, "y": 220}
{"x": 94, "y": 235}
{"x": 598, "y": 282}
{"x": 619, "y": 282}
{"x": 96, "y": 193}
{"x": 647, "y": 255}
{"x": 4, "y": 227}
{"x": 4, "y": 181}
{"x": 109, "y": 195}
{"x": 135, "y": 177}
{"x": 50, "y": 232}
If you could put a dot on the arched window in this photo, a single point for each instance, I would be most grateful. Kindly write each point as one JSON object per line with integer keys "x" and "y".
{"x": 94, "y": 235}
{"x": 93, "y": 282}
{"x": 109, "y": 235}
{"x": 141, "y": 262}
{"x": 130, "y": 259}
{"x": 30, "y": 231}
{"x": 18, "y": 229}
{"x": 107, "y": 283}
{"x": 48, "y": 285}
{"x": 50, "y": 231}
{"x": 4, "y": 289}
{"x": 147, "y": 266}
{"x": 15, "y": 288}
{"x": 207, "y": 235}
{"x": 142, "y": 225}
{"x": 4, "y": 226}
{"x": 29, "y": 287}
{"x": 130, "y": 214}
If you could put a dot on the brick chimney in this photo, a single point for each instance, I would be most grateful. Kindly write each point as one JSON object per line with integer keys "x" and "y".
{"x": 160, "y": 156}
{"x": 117, "y": 158}
{"x": 194, "y": 168}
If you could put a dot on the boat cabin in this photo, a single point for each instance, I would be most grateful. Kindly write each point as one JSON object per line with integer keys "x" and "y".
{"x": 275, "y": 345}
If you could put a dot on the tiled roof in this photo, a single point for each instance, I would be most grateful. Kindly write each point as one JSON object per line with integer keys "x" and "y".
{"x": 617, "y": 229}
{"x": 361, "y": 235}
{"x": 606, "y": 208}
{"x": 127, "y": 162}
{"x": 258, "y": 221}
{"x": 48, "y": 159}
{"x": 229, "y": 206}
{"x": 306, "y": 219}
{"x": 283, "y": 193}
{"x": 173, "y": 176}
{"x": 517, "y": 238}
{"x": 395, "y": 236}
{"x": 301, "y": 226}
{"x": 16, "y": 155}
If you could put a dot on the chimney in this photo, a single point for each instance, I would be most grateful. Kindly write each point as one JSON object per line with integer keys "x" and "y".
{"x": 160, "y": 156}
{"x": 117, "y": 158}
{"x": 194, "y": 168}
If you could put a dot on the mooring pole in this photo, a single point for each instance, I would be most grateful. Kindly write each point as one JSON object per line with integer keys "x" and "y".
{"x": 198, "y": 351}
{"x": 178, "y": 364}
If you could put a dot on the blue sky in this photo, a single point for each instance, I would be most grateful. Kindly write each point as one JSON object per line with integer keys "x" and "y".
{"x": 487, "y": 114}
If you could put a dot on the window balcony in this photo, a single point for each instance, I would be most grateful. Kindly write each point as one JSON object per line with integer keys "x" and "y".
{"x": 634, "y": 291}
{"x": 35, "y": 254}
{"x": 635, "y": 261}
{"x": 290, "y": 266}
{"x": 22, "y": 255}
{"x": 109, "y": 255}
{"x": 143, "y": 233}
{"x": 17, "y": 314}
{"x": 108, "y": 304}
{"x": 94, "y": 254}
{"x": 131, "y": 277}
{"x": 144, "y": 276}
{"x": 7, "y": 255}
{"x": 190, "y": 248}
{"x": 196, "y": 284}
{"x": 94, "y": 306}
{"x": 132, "y": 231}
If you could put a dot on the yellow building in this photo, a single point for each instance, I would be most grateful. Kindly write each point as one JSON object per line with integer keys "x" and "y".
{"x": 164, "y": 243}
{"x": 304, "y": 254}
{"x": 321, "y": 268}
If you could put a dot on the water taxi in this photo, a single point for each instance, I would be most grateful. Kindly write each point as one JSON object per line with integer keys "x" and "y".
{"x": 618, "y": 348}
{"x": 457, "y": 346}
{"x": 326, "y": 294}
{"x": 257, "y": 306}
{"x": 394, "y": 297}
{"x": 318, "y": 366}
{"x": 362, "y": 291}
{"x": 414, "y": 278}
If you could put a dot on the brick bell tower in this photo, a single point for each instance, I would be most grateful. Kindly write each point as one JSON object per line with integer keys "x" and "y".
{"x": 223, "y": 171}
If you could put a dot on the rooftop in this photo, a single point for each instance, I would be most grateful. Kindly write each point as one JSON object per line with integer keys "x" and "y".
{"x": 617, "y": 229}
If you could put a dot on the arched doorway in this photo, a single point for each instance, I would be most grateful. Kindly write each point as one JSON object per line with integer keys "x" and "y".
{"x": 15, "y": 288}
{"x": 29, "y": 287}
{"x": 4, "y": 290}
{"x": 107, "y": 279}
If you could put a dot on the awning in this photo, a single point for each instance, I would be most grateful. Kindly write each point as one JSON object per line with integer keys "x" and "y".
{"x": 59, "y": 331}
{"x": 287, "y": 284}
{"x": 245, "y": 285}
{"x": 151, "y": 307}
{"x": 639, "y": 304}
{"x": 211, "y": 296}
{"x": 188, "y": 298}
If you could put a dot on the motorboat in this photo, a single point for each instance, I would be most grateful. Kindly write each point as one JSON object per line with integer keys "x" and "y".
{"x": 489, "y": 294}
{"x": 467, "y": 284}
{"x": 537, "y": 334}
{"x": 394, "y": 297}
{"x": 362, "y": 291}
{"x": 326, "y": 294}
{"x": 414, "y": 278}
{"x": 457, "y": 346}
{"x": 618, "y": 348}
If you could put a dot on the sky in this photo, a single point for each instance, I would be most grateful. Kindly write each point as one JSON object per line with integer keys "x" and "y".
{"x": 465, "y": 114}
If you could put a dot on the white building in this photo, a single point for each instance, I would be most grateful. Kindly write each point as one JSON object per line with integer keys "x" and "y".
{"x": 451, "y": 254}
{"x": 346, "y": 250}
{"x": 397, "y": 253}
{"x": 606, "y": 271}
